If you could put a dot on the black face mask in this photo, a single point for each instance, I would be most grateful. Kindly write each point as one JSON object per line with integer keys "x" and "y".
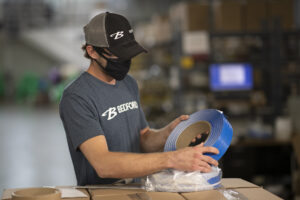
{"x": 115, "y": 68}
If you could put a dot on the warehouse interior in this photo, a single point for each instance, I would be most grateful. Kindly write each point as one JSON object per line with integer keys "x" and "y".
{"x": 238, "y": 56}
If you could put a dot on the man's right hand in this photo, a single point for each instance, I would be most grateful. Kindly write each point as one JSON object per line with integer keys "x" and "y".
{"x": 192, "y": 158}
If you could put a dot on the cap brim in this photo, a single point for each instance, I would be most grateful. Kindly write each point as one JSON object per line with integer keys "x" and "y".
{"x": 128, "y": 50}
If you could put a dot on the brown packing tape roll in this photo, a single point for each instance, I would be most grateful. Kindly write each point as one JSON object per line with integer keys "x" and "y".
{"x": 37, "y": 194}
{"x": 191, "y": 132}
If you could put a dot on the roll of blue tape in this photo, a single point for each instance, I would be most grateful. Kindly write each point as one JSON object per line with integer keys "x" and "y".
{"x": 209, "y": 120}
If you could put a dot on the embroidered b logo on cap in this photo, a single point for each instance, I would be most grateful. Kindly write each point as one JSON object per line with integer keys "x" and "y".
{"x": 117, "y": 35}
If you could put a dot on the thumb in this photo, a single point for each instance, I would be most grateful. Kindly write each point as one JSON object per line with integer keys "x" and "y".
{"x": 176, "y": 121}
{"x": 145, "y": 130}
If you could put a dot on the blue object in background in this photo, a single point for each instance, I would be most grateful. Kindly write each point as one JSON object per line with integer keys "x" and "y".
{"x": 231, "y": 77}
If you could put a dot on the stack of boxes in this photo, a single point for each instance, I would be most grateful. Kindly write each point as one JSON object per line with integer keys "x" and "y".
{"x": 232, "y": 187}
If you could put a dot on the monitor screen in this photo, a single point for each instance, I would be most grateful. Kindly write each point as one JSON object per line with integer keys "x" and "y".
{"x": 231, "y": 76}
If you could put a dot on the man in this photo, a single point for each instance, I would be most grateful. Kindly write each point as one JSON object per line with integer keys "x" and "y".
{"x": 105, "y": 126}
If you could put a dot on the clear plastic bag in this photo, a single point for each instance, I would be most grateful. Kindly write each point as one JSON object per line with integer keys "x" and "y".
{"x": 180, "y": 181}
{"x": 232, "y": 194}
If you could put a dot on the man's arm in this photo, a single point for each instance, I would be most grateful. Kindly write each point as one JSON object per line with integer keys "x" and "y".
{"x": 153, "y": 140}
{"x": 129, "y": 165}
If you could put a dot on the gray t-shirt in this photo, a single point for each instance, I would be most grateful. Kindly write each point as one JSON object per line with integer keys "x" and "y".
{"x": 90, "y": 107}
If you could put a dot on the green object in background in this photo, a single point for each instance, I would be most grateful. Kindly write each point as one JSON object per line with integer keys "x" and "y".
{"x": 27, "y": 89}
{"x": 2, "y": 86}
{"x": 57, "y": 90}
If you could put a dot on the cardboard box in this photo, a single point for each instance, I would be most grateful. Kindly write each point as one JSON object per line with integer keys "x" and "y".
{"x": 131, "y": 194}
{"x": 6, "y": 195}
{"x": 256, "y": 14}
{"x": 190, "y": 16}
{"x": 259, "y": 11}
{"x": 141, "y": 196}
{"x": 239, "y": 187}
{"x": 228, "y": 16}
{"x": 284, "y": 10}
{"x": 101, "y": 193}
{"x": 242, "y": 189}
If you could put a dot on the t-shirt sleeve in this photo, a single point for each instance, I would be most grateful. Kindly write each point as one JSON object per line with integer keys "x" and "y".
{"x": 143, "y": 120}
{"x": 79, "y": 119}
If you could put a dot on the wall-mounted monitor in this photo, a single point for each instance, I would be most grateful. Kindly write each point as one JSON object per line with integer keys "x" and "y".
{"x": 231, "y": 77}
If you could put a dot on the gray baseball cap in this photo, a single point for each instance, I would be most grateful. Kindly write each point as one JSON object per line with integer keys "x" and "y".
{"x": 112, "y": 31}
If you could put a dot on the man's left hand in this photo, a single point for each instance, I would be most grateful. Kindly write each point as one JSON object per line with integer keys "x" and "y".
{"x": 154, "y": 140}
{"x": 170, "y": 127}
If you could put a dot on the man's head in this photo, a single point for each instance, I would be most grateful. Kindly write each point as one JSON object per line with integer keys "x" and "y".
{"x": 112, "y": 32}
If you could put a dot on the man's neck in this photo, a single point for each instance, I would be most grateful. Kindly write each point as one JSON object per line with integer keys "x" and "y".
{"x": 95, "y": 71}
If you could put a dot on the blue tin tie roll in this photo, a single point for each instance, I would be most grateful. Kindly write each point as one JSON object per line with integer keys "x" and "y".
{"x": 209, "y": 120}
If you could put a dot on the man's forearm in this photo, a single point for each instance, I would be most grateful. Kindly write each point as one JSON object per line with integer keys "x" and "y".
{"x": 131, "y": 165}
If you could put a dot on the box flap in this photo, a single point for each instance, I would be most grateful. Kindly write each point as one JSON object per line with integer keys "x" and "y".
{"x": 113, "y": 197}
{"x": 231, "y": 183}
{"x": 244, "y": 193}
{"x": 162, "y": 196}
{"x": 114, "y": 186}
{"x": 107, "y": 192}
{"x": 204, "y": 195}
{"x": 142, "y": 196}
{"x": 257, "y": 194}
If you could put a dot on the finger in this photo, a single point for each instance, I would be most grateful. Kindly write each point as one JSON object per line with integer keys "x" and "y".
{"x": 199, "y": 146}
{"x": 184, "y": 117}
{"x": 205, "y": 170}
{"x": 201, "y": 169}
{"x": 204, "y": 164}
{"x": 145, "y": 130}
{"x": 181, "y": 118}
{"x": 199, "y": 136}
{"x": 209, "y": 150}
{"x": 209, "y": 160}
{"x": 206, "y": 159}
{"x": 193, "y": 140}
{"x": 176, "y": 121}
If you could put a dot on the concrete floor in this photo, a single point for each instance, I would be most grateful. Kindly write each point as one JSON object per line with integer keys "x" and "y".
{"x": 33, "y": 148}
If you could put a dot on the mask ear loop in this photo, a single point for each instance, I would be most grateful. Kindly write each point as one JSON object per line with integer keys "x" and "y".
{"x": 100, "y": 51}
{"x": 107, "y": 53}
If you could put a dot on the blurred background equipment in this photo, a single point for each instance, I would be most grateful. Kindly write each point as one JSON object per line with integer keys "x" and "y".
{"x": 238, "y": 56}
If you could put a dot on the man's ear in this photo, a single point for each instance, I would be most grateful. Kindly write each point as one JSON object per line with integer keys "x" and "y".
{"x": 92, "y": 53}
